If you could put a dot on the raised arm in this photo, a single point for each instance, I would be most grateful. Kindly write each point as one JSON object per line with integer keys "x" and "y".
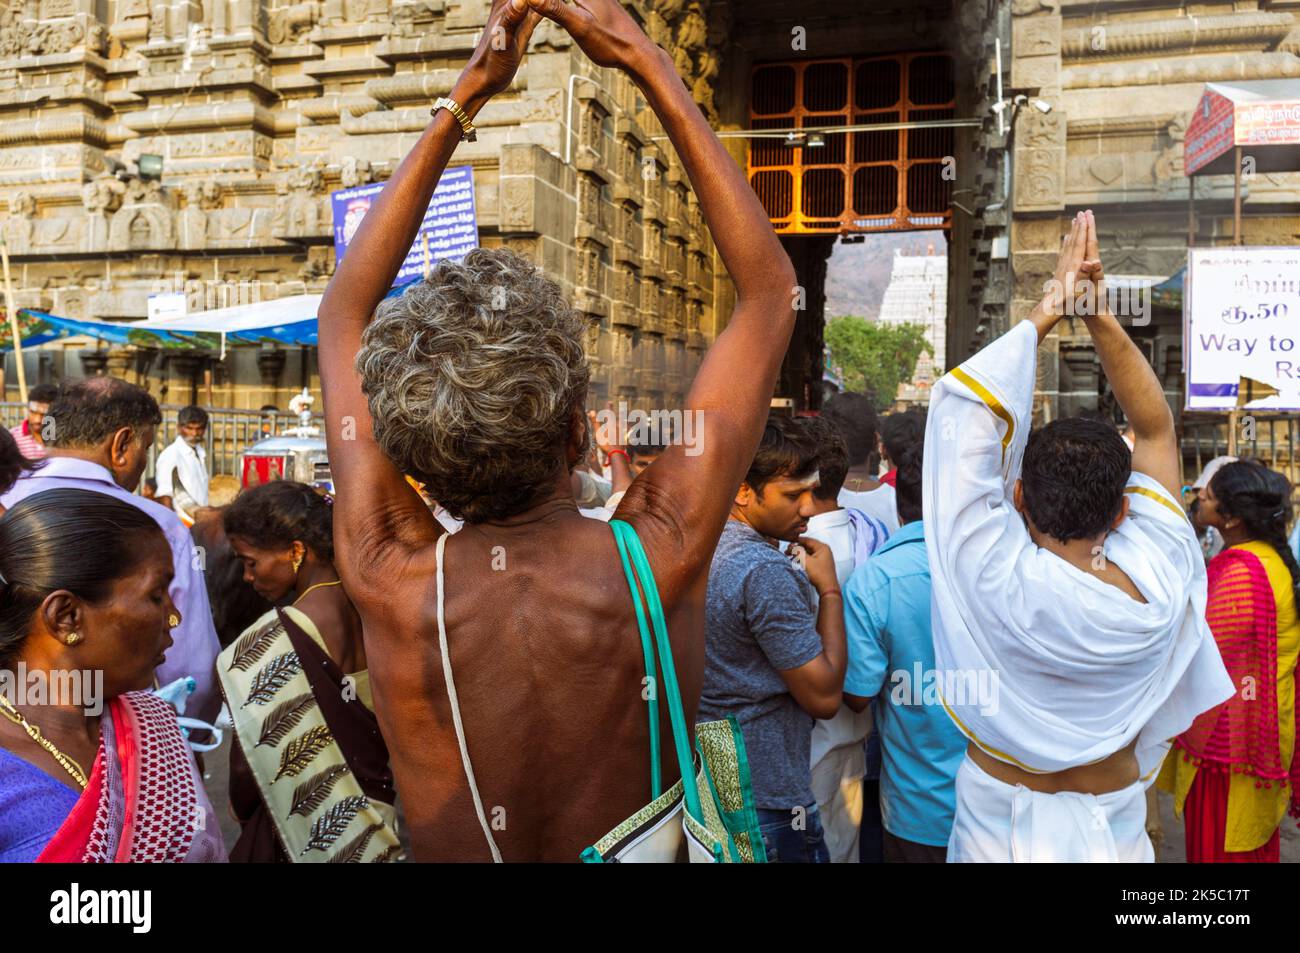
{"x": 733, "y": 387}
{"x": 1134, "y": 381}
{"x": 375, "y": 505}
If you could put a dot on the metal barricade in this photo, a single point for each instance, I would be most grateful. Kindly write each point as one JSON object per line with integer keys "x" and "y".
{"x": 1272, "y": 439}
{"x": 230, "y": 432}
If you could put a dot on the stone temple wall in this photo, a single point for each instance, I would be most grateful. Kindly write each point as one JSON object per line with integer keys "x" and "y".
{"x": 978, "y": 291}
{"x": 1123, "y": 77}
{"x": 260, "y": 108}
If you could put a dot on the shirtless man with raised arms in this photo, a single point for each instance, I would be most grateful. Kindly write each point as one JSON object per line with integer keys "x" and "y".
{"x": 484, "y": 404}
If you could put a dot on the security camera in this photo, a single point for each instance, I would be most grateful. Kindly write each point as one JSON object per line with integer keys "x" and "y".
{"x": 1043, "y": 106}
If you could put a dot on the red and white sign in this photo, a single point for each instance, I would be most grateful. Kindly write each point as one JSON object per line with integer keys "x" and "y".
{"x": 1243, "y": 114}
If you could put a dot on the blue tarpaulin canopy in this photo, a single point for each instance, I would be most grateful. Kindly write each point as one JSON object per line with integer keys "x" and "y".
{"x": 289, "y": 320}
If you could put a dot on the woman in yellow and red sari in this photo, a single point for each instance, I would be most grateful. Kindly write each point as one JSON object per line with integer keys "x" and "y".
{"x": 1233, "y": 773}
{"x": 93, "y": 768}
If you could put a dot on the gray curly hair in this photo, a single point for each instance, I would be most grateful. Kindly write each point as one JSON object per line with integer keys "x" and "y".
{"x": 472, "y": 377}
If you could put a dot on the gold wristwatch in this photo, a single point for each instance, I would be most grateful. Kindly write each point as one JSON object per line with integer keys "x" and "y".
{"x": 467, "y": 131}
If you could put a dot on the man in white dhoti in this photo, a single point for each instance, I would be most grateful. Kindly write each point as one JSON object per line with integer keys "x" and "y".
{"x": 1064, "y": 567}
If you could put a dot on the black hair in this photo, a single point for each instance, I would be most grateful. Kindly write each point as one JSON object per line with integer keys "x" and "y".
{"x": 42, "y": 393}
{"x": 274, "y": 515}
{"x": 1073, "y": 476}
{"x": 832, "y": 455}
{"x": 647, "y": 440}
{"x": 12, "y": 462}
{"x": 77, "y": 540}
{"x": 899, "y": 432}
{"x": 645, "y": 449}
{"x": 192, "y": 415}
{"x": 855, "y": 416}
{"x": 1094, "y": 413}
{"x": 1261, "y": 499}
{"x": 89, "y": 411}
{"x": 783, "y": 452}
{"x": 235, "y": 604}
{"x": 907, "y": 483}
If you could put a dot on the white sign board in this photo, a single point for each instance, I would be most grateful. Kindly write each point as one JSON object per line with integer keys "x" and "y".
{"x": 1241, "y": 318}
{"x": 167, "y": 304}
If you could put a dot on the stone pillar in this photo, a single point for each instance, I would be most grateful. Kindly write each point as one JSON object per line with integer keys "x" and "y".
{"x": 94, "y": 362}
{"x": 801, "y": 371}
{"x": 119, "y": 362}
{"x": 186, "y": 367}
{"x": 1038, "y": 169}
{"x": 270, "y": 364}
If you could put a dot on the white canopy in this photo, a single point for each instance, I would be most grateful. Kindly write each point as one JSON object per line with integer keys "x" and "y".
{"x": 242, "y": 317}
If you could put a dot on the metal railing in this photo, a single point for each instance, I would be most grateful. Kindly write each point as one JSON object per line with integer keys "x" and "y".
{"x": 1274, "y": 440}
{"x": 230, "y": 432}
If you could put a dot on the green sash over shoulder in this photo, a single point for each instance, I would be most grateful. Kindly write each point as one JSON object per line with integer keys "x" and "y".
{"x": 715, "y": 812}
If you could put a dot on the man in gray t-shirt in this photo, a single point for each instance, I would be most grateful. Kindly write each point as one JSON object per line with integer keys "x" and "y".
{"x": 774, "y": 649}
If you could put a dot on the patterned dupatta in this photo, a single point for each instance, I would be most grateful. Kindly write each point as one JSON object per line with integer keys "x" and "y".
{"x": 142, "y": 803}
{"x": 1241, "y": 735}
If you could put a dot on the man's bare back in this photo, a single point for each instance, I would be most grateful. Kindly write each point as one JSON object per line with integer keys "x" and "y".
{"x": 550, "y": 677}
{"x": 1112, "y": 773}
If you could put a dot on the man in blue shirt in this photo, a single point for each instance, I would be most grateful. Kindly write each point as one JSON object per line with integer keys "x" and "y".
{"x": 774, "y": 651}
{"x": 887, "y": 619}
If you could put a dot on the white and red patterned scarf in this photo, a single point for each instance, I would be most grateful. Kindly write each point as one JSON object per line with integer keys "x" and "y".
{"x": 142, "y": 803}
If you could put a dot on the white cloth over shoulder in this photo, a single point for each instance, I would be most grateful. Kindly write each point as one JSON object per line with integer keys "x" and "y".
{"x": 1082, "y": 669}
{"x": 836, "y": 754}
{"x": 882, "y": 503}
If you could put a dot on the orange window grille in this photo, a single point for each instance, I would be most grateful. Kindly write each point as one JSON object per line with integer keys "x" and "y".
{"x": 855, "y": 181}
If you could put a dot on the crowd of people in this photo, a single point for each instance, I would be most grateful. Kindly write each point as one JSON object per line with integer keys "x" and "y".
{"x": 922, "y": 637}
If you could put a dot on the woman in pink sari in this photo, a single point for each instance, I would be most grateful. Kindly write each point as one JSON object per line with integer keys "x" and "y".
{"x": 1233, "y": 773}
{"x": 93, "y": 768}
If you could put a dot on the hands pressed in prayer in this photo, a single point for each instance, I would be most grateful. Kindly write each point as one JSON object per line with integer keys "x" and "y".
{"x": 1091, "y": 272}
{"x": 500, "y": 50}
{"x": 1075, "y": 287}
{"x": 614, "y": 452}
{"x": 602, "y": 29}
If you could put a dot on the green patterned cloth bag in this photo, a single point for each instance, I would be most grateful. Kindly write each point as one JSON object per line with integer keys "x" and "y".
{"x": 714, "y": 814}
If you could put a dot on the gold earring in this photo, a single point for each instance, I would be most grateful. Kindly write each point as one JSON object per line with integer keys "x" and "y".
{"x": 173, "y": 620}
{"x": 297, "y": 561}
{"x": 73, "y": 638}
